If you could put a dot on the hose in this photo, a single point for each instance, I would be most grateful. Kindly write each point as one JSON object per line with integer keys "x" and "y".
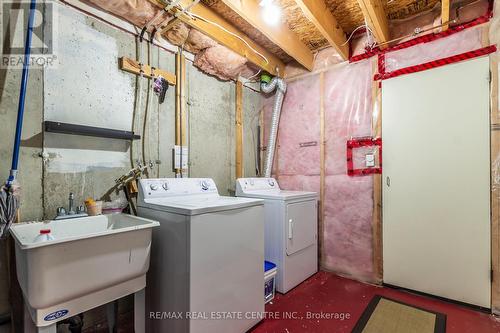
{"x": 146, "y": 151}
{"x": 280, "y": 85}
{"x": 137, "y": 103}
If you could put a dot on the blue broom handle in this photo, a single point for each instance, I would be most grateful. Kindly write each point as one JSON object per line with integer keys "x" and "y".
{"x": 22, "y": 95}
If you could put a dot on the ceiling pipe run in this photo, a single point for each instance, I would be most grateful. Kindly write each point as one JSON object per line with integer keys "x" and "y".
{"x": 267, "y": 87}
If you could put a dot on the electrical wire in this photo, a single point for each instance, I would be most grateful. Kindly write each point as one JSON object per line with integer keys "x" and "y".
{"x": 416, "y": 32}
{"x": 233, "y": 34}
{"x": 352, "y": 33}
{"x": 254, "y": 75}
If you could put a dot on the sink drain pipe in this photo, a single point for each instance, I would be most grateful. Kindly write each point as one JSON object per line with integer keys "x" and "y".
{"x": 75, "y": 323}
{"x": 267, "y": 86}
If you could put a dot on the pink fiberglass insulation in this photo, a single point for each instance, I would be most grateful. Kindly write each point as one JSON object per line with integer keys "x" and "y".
{"x": 220, "y": 61}
{"x": 197, "y": 41}
{"x": 460, "y": 13}
{"x": 348, "y": 200}
{"x": 211, "y": 57}
{"x": 299, "y": 129}
{"x": 347, "y": 242}
{"x": 178, "y": 34}
{"x": 467, "y": 40}
{"x": 348, "y": 111}
{"x": 300, "y": 183}
{"x": 136, "y": 12}
{"x": 323, "y": 59}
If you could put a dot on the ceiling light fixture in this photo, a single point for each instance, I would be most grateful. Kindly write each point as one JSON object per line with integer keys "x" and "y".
{"x": 271, "y": 13}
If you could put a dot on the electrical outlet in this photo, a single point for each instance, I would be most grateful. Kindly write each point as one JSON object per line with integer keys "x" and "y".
{"x": 370, "y": 160}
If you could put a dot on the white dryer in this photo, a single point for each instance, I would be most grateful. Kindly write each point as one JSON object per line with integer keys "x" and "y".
{"x": 291, "y": 229}
{"x": 207, "y": 257}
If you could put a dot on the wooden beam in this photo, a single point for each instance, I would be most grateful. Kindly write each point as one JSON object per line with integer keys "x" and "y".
{"x": 445, "y": 14}
{"x": 279, "y": 34}
{"x": 317, "y": 12}
{"x": 239, "y": 129}
{"x": 133, "y": 66}
{"x": 374, "y": 13}
{"x": 214, "y": 26}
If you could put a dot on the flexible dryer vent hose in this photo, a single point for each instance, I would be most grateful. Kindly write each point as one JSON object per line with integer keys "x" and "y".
{"x": 280, "y": 86}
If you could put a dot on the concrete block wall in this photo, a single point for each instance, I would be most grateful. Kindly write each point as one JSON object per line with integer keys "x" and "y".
{"x": 86, "y": 87}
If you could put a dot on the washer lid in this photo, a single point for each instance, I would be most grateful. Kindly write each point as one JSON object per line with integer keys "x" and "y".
{"x": 268, "y": 188}
{"x": 280, "y": 195}
{"x": 199, "y": 204}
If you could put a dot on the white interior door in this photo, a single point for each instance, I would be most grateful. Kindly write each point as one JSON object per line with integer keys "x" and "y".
{"x": 436, "y": 181}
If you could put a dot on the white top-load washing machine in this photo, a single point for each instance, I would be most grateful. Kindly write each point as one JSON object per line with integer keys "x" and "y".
{"x": 207, "y": 258}
{"x": 291, "y": 229}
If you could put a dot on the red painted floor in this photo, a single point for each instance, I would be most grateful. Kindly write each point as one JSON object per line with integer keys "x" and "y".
{"x": 345, "y": 300}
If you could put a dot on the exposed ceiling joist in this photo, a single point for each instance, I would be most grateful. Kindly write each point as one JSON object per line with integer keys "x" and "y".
{"x": 376, "y": 18}
{"x": 279, "y": 34}
{"x": 317, "y": 12}
{"x": 445, "y": 14}
{"x": 217, "y": 28}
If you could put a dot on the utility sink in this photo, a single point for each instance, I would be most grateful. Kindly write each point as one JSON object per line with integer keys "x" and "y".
{"x": 92, "y": 261}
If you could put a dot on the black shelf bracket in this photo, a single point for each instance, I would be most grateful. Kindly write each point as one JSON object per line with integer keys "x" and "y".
{"x": 65, "y": 128}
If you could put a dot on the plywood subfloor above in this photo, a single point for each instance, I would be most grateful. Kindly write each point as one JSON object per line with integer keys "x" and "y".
{"x": 298, "y": 23}
{"x": 349, "y": 14}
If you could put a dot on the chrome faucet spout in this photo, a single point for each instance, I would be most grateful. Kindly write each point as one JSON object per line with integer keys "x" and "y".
{"x": 71, "y": 209}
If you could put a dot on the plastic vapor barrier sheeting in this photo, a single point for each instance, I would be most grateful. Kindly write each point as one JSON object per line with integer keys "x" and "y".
{"x": 350, "y": 111}
{"x": 348, "y": 200}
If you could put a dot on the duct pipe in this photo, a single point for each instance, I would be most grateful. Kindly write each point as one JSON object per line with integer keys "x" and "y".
{"x": 280, "y": 86}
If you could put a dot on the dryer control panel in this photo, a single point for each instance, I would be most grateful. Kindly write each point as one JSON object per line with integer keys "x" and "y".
{"x": 244, "y": 185}
{"x": 169, "y": 187}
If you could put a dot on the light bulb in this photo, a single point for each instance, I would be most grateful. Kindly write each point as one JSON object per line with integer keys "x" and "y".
{"x": 271, "y": 13}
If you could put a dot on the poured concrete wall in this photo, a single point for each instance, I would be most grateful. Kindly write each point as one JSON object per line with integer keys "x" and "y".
{"x": 86, "y": 87}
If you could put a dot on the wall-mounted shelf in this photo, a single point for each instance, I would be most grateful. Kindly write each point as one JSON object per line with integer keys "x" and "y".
{"x": 65, "y": 128}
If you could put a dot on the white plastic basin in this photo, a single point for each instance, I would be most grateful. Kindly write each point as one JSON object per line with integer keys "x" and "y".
{"x": 91, "y": 261}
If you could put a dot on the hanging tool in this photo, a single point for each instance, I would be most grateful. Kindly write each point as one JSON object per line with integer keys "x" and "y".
{"x": 9, "y": 200}
{"x": 160, "y": 87}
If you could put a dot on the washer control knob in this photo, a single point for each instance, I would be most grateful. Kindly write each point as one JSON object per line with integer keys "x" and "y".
{"x": 271, "y": 182}
{"x": 153, "y": 187}
{"x": 165, "y": 186}
{"x": 205, "y": 185}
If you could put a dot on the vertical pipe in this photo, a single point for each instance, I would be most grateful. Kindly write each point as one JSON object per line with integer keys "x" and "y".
{"x": 22, "y": 95}
{"x": 239, "y": 129}
{"x": 180, "y": 117}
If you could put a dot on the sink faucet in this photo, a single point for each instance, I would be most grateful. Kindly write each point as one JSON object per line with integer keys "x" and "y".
{"x": 71, "y": 203}
{"x": 62, "y": 214}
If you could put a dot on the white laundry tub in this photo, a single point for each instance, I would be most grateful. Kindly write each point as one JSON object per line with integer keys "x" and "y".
{"x": 91, "y": 261}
